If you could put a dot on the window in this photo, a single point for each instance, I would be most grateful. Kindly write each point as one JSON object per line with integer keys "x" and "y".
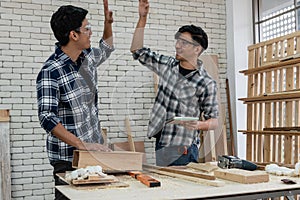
{"x": 274, "y": 18}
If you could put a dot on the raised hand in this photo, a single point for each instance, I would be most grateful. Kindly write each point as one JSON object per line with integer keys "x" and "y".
{"x": 143, "y": 8}
{"x": 108, "y": 14}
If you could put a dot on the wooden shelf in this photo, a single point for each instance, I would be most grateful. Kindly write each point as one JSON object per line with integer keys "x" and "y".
{"x": 273, "y": 100}
{"x": 268, "y": 67}
{"x": 259, "y": 132}
{"x": 283, "y": 96}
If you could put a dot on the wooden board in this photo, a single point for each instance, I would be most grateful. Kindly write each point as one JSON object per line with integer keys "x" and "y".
{"x": 206, "y": 167}
{"x": 124, "y": 146}
{"x": 96, "y": 180}
{"x": 185, "y": 172}
{"x": 189, "y": 173}
{"x": 92, "y": 186}
{"x": 5, "y": 157}
{"x": 215, "y": 183}
{"x": 242, "y": 176}
{"x": 109, "y": 161}
{"x": 4, "y": 115}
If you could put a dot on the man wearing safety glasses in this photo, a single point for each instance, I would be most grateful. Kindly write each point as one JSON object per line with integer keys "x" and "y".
{"x": 67, "y": 87}
{"x": 185, "y": 90}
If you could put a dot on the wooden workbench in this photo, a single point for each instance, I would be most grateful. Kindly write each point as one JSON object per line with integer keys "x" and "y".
{"x": 174, "y": 188}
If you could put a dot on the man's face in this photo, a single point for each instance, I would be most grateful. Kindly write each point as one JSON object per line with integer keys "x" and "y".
{"x": 186, "y": 48}
{"x": 84, "y": 33}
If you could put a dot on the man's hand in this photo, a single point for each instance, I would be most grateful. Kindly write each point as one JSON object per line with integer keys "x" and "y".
{"x": 94, "y": 147}
{"x": 190, "y": 125}
{"x": 209, "y": 124}
{"x": 138, "y": 36}
{"x": 143, "y": 8}
{"x": 108, "y": 14}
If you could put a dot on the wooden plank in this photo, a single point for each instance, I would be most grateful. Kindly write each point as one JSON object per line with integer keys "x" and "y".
{"x": 272, "y": 66}
{"x": 124, "y": 146}
{"x": 206, "y": 167}
{"x": 249, "y": 147}
{"x": 109, "y": 161}
{"x": 288, "y": 140}
{"x": 129, "y": 134}
{"x": 104, "y": 135}
{"x": 5, "y": 168}
{"x": 284, "y": 96}
{"x": 86, "y": 187}
{"x": 270, "y": 132}
{"x": 232, "y": 142}
{"x": 291, "y": 128}
{"x": 188, "y": 173}
{"x": 185, "y": 172}
{"x": 215, "y": 183}
{"x": 4, "y": 115}
{"x": 94, "y": 180}
{"x": 242, "y": 176}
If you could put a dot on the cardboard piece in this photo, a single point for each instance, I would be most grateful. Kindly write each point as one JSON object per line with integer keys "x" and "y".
{"x": 109, "y": 161}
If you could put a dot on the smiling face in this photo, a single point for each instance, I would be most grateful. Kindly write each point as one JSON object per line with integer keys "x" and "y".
{"x": 186, "y": 48}
{"x": 82, "y": 35}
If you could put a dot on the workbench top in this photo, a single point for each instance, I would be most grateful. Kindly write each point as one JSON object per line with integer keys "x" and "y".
{"x": 175, "y": 188}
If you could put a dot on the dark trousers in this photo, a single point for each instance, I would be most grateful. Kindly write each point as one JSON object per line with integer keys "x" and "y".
{"x": 175, "y": 155}
{"x": 60, "y": 166}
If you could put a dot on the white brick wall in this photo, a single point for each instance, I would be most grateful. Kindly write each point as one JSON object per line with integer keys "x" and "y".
{"x": 126, "y": 87}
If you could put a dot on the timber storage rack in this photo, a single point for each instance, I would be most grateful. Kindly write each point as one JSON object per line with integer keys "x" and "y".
{"x": 273, "y": 101}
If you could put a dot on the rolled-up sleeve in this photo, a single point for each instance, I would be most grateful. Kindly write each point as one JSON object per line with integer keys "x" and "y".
{"x": 210, "y": 103}
{"x": 47, "y": 97}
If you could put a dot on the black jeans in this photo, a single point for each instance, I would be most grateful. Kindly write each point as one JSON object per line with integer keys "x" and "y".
{"x": 175, "y": 155}
{"x": 60, "y": 166}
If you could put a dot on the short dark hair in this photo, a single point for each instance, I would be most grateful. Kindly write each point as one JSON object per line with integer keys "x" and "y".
{"x": 66, "y": 19}
{"x": 198, "y": 34}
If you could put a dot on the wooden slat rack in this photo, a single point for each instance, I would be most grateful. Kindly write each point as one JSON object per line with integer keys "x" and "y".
{"x": 273, "y": 100}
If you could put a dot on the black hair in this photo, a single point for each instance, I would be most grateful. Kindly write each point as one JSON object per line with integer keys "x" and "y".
{"x": 198, "y": 34}
{"x": 66, "y": 19}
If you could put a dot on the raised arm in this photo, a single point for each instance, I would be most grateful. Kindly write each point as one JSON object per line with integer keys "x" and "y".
{"x": 138, "y": 36}
{"x": 108, "y": 20}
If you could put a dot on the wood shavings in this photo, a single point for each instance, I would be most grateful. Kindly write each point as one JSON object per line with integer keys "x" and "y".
{"x": 283, "y": 171}
{"x": 84, "y": 173}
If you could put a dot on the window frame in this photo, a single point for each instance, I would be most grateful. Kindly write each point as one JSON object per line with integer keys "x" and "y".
{"x": 257, "y": 21}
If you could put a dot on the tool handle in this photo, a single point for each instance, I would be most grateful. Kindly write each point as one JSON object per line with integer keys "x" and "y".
{"x": 247, "y": 165}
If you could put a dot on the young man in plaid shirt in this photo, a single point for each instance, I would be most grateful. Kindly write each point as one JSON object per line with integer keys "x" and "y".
{"x": 67, "y": 87}
{"x": 185, "y": 90}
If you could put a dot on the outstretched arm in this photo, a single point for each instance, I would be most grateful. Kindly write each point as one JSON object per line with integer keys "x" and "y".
{"x": 138, "y": 36}
{"x": 209, "y": 124}
{"x": 108, "y": 20}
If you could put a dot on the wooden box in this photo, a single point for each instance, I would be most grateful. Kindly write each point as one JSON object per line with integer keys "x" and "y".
{"x": 109, "y": 161}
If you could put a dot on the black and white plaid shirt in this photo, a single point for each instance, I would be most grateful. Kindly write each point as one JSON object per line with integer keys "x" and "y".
{"x": 64, "y": 96}
{"x": 193, "y": 95}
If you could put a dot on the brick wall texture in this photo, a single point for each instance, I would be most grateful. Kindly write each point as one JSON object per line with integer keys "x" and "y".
{"x": 125, "y": 87}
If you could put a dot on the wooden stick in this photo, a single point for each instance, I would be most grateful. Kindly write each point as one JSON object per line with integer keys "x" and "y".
{"x": 182, "y": 172}
{"x": 129, "y": 135}
{"x": 230, "y": 118}
{"x": 104, "y": 135}
{"x": 215, "y": 183}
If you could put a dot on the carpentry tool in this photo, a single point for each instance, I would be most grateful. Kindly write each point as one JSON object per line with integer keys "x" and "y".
{"x": 145, "y": 179}
{"x": 227, "y": 162}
